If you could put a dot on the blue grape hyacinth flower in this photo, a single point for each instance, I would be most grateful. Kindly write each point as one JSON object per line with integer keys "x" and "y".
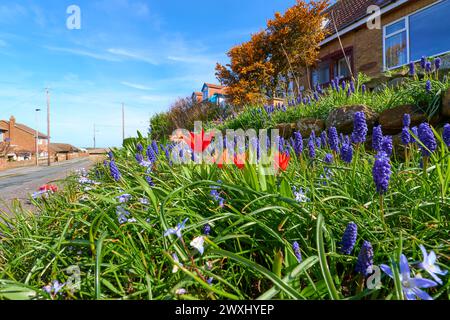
{"x": 297, "y": 252}
{"x": 377, "y": 138}
{"x": 381, "y": 172}
{"x": 364, "y": 264}
{"x": 333, "y": 139}
{"x": 349, "y": 238}
{"x": 426, "y": 136}
{"x": 446, "y": 134}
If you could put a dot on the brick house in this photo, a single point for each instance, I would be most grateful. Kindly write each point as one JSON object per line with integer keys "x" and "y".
{"x": 197, "y": 96}
{"x": 409, "y": 30}
{"x": 213, "y": 93}
{"x": 22, "y": 139}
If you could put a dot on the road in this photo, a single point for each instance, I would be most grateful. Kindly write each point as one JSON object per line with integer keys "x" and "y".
{"x": 20, "y": 183}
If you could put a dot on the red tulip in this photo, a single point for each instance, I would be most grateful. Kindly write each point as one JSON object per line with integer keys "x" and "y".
{"x": 239, "y": 161}
{"x": 48, "y": 187}
{"x": 198, "y": 142}
{"x": 222, "y": 159}
{"x": 281, "y": 161}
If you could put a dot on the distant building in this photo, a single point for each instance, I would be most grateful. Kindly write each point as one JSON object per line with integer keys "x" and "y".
{"x": 197, "y": 96}
{"x": 22, "y": 140}
{"x": 213, "y": 93}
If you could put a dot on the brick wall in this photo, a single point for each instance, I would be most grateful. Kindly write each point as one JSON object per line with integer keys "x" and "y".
{"x": 367, "y": 44}
{"x": 23, "y": 139}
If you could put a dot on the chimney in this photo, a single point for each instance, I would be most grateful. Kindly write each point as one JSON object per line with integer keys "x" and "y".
{"x": 12, "y": 127}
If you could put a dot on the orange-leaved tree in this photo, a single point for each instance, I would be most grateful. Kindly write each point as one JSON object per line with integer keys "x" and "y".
{"x": 275, "y": 57}
{"x": 249, "y": 71}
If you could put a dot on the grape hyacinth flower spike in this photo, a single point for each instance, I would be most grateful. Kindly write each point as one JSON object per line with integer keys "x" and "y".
{"x": 364, "y": 264}
{"x": 349, "y": 238}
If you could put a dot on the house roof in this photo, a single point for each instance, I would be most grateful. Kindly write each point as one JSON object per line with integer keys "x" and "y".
{"x": 347, "y": 12}
{"x": 197, "y": 93}
{"x": 4, "y": 125}
{"x": 62, "y": 148}
{"x": 214, "y": 86}
{"x": 30, "y": 130}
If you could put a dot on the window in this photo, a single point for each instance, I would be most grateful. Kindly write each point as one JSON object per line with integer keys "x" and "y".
{"x": 205, "y": 94}
{"x": 395, "y": 44}
{"x": 333, "y": 65}
{"x": 423, "y": 33}
{"x": 341, "y": 69}
{"x": 321, "y": 75}
{"x": 429, "y": 31}
{"x": 2, "y": 138}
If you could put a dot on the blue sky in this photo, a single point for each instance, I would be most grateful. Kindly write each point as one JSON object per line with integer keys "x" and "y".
{"x": 145, "y": 53}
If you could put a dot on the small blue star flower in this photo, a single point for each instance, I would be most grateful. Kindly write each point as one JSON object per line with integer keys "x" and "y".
{"x": 177, "y": 230}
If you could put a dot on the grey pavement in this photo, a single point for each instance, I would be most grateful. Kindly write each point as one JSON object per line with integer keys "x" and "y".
{"x": 20, "y": 183}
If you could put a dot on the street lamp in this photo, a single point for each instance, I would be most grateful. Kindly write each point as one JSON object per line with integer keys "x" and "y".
{"x": 37, "y": 136}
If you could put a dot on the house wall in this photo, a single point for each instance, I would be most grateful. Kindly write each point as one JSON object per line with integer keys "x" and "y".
{"x": 23, "y": 139}
{"x": 367, "y": 44}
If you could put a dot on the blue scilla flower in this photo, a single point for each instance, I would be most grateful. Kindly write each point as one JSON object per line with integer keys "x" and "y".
{"x": 328, "y": 158}
{"x": 446, "y": 134}
{"x": 316, "y": 96}
{"x": 352, "y": 86}
{"x": 110, "y": 155}
{"x": 333, "y": 139}
{"x": 411, "y": 287}
{"x": 426, "y": 136}
{"x": 347, "y": 152}
{"x": 363, "y": 89}
{"x": 349, "y": 238}
{"x": 139, "y": 147}
{"x": 386, "y": 145}
{"x": 429, "y": 265}
{"x": 428, "y": 67}
{"x": 349, "y": 92}
{"x": 115, "y": 173}
{"x": 359, "y": 128}
{"x": 343, "y": 85}
{"x": 381, "y": 172}
{"x": 377, "y": 138}
{"x": 177, "y": 230}
{"x": 297, "y": 252}
{"x": 364, "y": 264}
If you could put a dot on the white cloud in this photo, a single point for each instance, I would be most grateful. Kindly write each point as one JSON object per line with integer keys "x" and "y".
{"x": 133, "y": 55}
{"x": 136, "y": 86}
{"x": 84, "y": 53}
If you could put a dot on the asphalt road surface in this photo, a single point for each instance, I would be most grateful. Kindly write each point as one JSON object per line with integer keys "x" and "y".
{"x": 20, "y": 183}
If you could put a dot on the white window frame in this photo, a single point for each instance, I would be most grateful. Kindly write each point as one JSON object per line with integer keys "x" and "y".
{"x": 408, "y": 49}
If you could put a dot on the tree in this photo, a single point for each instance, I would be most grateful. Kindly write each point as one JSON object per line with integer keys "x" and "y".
{"x": 5, "y": 148}
{"x": 274, "y": 58}
{"x": 249, "y": 71}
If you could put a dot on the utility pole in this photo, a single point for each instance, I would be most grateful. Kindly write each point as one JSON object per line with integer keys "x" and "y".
{"x": 37, "y": 137}
{"x": 123, "y": 122}
{"x": 94, "y": 136}
{"x": 48, "y": 127}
